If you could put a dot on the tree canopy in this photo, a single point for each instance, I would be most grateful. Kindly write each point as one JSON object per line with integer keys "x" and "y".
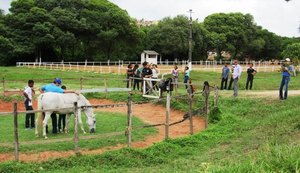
{"x": 77, "y": 30}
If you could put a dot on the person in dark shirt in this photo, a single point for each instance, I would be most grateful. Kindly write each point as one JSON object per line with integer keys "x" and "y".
{"x": 225, "y": 75}
{"x": 251, "y": 72}
{"x": 147, "y": 73}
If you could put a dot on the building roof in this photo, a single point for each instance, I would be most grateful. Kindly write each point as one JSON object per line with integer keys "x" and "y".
{"x": 150, "y": 52}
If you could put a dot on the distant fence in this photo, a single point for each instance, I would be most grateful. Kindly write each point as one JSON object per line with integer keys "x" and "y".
{"x": 164, "y": 66}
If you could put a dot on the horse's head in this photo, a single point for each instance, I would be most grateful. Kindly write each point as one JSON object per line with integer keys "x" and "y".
{"x": 91, "y": 119}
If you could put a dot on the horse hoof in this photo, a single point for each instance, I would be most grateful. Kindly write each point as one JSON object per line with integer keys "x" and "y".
{"x": 84, "y": 132}
{"x": 46, "y": 137}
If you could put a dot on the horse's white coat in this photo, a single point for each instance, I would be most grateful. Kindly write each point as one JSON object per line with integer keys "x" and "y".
{"x": 59, "y": 101}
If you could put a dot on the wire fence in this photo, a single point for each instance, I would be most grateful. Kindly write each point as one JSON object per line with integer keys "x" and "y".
{"x": 130, "y": 126}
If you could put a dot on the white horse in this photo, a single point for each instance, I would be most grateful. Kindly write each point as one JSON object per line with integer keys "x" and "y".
{"x": 59, "y": 102}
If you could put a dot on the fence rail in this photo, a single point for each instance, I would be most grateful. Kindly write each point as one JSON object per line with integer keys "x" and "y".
{"x": 165, "y": 66}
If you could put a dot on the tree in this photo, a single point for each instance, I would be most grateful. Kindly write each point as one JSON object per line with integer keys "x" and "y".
{"x": 292, "y": 51}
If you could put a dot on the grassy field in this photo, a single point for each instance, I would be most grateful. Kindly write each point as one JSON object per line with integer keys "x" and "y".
{"x": 106, "y": 123}
{"x": 253, "y": 135}
{"x": 262, "y": 81}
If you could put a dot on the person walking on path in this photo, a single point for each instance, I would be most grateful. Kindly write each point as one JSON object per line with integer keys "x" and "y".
{"x": 225, "y": 75}
{"x": 251, "y": 72}
{"x": 285, "y": 68}
{"x": 28, "y": 94}
{"x": 237, "y": 72}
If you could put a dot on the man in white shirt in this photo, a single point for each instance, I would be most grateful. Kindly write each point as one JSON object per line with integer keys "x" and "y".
{"x": 28, "y": 94}
{"x": 236, "y": 75}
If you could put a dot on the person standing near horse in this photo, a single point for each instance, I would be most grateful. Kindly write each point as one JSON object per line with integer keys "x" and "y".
{"x": 175, "y": 74}
{"x": 28, "y": 94}
{"x": 237, "y": 72}
{"x": 62, "y": 118}
{"x": 147, "y": 73}
{"x": 286, "y": 69}
{"x": 136, "y": 75}
{"x": 187, "y": 75}
{"x": 54, "y": 87}
{"x": 155, "y": 73}
{"x": 251, "y": 72}
{"x": 225, "y": 75}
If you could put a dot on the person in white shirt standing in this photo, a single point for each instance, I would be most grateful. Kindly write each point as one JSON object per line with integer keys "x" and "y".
{"x": 236, "y": 75}
{"x": 28, "y": 94}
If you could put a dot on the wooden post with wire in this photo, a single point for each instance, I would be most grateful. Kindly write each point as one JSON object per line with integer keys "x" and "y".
{"x": 129, "y": 120}
{"x": 76, "y": 137}
{"x": 190, "y": 113}
{"x": 206, "y": 94}
{"x": 3, "y": 85}
{"x": 16, "y": 132}
{"x": 216, "y": 96}
{"x": 168, "y": 104}
{"x": 81, "y": 83}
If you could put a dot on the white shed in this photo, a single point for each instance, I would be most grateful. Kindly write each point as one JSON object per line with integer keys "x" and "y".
{"x": 150, "y": 56}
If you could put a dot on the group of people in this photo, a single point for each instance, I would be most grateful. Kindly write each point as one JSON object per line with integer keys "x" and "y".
{"x": 235, "y": 74}
{"x": 136, "y": 75}
{"x": 29, "y": 92}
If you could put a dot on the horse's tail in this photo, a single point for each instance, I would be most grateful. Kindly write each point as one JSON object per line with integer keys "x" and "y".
{"x": 40, "y": 116}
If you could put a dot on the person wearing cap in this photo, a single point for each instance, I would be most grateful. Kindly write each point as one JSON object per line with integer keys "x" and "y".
{"x": 54, "y": 87}
{"x": 285, "y": 68}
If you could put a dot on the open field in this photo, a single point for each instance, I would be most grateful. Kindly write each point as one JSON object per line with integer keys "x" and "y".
{"x": 256, "y": 133}
{"x": 16, "y": 78}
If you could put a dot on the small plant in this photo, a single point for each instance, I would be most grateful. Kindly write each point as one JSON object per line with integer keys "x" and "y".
{"x": 215, "y": 115}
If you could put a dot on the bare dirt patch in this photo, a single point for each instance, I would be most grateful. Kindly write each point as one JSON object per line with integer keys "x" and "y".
{"x": 149, "y": 113}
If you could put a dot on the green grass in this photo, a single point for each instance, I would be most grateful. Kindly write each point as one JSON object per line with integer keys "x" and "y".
{"x": 106, "y": 123}
{"x": 253, "y": 135}
{"x": 18, "y": 76}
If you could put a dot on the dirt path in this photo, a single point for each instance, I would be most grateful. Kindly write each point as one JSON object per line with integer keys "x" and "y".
{"x": 260, "y": 94}
{"x": 148, "y": 112}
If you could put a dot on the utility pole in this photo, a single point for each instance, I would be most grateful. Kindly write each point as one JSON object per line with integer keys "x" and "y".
{"x": 190, "y": 40}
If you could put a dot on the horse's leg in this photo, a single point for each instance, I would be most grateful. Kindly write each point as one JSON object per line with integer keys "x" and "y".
{"x": 47, "y": 116}
{"x": 80, "y": 121}
{"x": 67, "y": 122}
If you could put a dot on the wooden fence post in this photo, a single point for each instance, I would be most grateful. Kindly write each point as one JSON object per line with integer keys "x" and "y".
{"x": 167, "y": 125}
{"x": 3, "y": 85}
{"x": 206, "y": 94}
{"x": 81, "y": 83}
{"x": 190, "y": 113}
{"x": 129, "y": 120}
{"x": 216, "y": 96}
{"x": 16, "y": 132}
{"x": 76, "y": 137}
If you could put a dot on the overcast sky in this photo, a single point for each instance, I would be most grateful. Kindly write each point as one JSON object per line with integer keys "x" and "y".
{"x": 278, "y": 16}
